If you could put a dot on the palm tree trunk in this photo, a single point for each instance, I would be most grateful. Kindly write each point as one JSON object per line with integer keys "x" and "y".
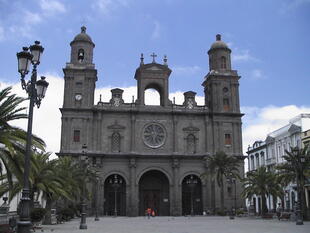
{"x": 222, "y": 198}
{"x": 264, "y": 205}
{"x": 48, "y": 216}
{"x": 304, "y": 205}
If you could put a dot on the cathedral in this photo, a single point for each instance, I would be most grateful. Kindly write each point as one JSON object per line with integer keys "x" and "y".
{"x": 152, "y": 156}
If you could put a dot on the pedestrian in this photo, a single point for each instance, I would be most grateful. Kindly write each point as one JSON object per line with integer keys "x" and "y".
{"x": 279, "y": 210}
{"x": 153, "y": 213}
{"x": 148, "y": 211}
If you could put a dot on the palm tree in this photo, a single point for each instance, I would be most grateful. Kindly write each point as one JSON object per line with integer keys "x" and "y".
{"x": 263, "y": 183}
{"x": 223, "y": 166}
{"x": 295, "y": 171}
{"x": 13, "y": 139}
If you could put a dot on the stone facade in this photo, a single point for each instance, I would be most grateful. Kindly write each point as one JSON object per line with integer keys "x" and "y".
{"x": 154, "y": 152}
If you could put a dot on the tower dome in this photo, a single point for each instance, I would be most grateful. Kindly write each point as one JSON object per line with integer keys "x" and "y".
{"x": 82, "y": 48}
{"x": 219, "y": 55}
{"x": 218, "y": 44}
{"x": 82, "y": 37}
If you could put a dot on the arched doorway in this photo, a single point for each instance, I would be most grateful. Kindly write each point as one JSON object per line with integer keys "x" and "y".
{"x": 154, "y": 193}
{"x": 115, "y": 195}
{"x": 191, "y": 195}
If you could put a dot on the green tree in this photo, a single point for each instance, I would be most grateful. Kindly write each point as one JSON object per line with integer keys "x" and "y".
{"x": 263, "y": 183}
{"x": 222, "y": 166}
{"x": 294, "y": 170}
{"x": 12, "y": 139}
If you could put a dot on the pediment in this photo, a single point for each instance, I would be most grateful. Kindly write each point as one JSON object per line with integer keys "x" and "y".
{"x": 191, "y": 128}
{"x": 269, "y": 139}
{"x": 116, "y": 126}
{"x": 294, "y": 129}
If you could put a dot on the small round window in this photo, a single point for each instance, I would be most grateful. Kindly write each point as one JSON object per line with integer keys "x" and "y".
{"x": 225, "y": 89}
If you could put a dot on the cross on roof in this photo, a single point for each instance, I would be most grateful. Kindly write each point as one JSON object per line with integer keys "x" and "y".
{"x": 153, "y": 55}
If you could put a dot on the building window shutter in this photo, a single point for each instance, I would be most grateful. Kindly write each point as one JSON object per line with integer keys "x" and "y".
{"x": 116, "y": 142}
{"x": 76, "y": 135}
{"x": 227, "y": 139}
{"x": 191, "y": 144}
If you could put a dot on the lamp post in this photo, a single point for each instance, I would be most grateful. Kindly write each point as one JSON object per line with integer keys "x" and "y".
{"x": 116, "y": 182}
{"x": 299, "y": 173}
{"x": 96, "y": 200}
{"x": 83, "y": 163}
{"x": 191, "y": 183}
{"x": 36, "y": 92}
{"x": 231, "y": 180}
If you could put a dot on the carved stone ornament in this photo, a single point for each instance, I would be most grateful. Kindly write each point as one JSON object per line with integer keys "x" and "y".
{"x": 154, "y": 135}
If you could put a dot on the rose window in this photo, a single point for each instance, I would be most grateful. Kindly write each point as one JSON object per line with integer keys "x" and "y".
{"x": 154, "y": 135}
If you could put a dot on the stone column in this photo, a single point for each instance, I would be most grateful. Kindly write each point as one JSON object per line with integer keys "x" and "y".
{"x": 133, "y": 127}
{"x": 175, "y": 141}
{"x": 176, "y": 194}
{"x": 208, "y": 135}
{"x": 205, "y": 196}
{"x": 235, "y": 136}
{"x": 206, "y": 189}
{"x": 133, "y": 198}
{"x": 69, "y": 134}
{"x": 128, "y": 197}
{"x": 101, "y": 198}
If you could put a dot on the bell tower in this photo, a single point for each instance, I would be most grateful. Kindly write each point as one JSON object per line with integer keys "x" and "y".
{"x": 80, "y": 74}
{"x": 156, "y": 76}
{"x": 221, "y": 85}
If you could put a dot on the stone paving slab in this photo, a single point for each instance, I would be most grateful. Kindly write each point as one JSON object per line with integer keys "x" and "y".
{"x": 201, "y": 224}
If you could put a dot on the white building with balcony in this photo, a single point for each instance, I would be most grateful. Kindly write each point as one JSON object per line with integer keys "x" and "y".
{"x": 256, "y": 158}
{"x": 271, "y": 151}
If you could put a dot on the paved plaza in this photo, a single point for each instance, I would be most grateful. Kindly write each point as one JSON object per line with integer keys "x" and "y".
{"x": 180, "y": 225}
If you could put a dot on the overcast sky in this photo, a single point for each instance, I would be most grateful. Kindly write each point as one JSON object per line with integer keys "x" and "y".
{"x": 269, "y": 42}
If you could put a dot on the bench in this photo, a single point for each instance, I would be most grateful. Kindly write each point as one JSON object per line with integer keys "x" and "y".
{"x": 285, "y": 215}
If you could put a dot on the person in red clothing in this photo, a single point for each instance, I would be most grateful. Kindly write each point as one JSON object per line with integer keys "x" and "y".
{"x": 148, "y": 211}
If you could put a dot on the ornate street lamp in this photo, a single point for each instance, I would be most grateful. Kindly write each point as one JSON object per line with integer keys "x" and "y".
{"x": 191, "y": 182}
{"x": 116, "y": 183}
{"x": 299, "y": 173}
{"x": 83, "y": 165}
{"x": 36, "y": 92}
{"x": 231, "y": 180}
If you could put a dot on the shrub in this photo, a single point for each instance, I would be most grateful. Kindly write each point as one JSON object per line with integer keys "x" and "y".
{"x": 37, "y": 214}
{"x": 221, "y": 213}
{"x": 67, "y": 214}
{"x": 239, "y": 212}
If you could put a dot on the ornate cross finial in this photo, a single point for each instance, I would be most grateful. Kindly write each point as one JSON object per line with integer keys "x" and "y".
{"x": 153, "y": 55}
{"x": 165, "y": 60}
{"x": 83, "y": 29}
{"x": 141, "y": 59}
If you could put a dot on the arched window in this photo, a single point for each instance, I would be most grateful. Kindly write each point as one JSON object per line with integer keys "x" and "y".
{"x": 151, "y": 97}
{"x": 81, "y": 55}
{"x": 226, "y": 104}
{"x": 191, "y": 144}
{"x": 223, "y": 62}
{"x": 262, "y": 158}
{"x": 252, "y": 163}
{"x": 116, "y": 142}
{"x": 257, "y": 160}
